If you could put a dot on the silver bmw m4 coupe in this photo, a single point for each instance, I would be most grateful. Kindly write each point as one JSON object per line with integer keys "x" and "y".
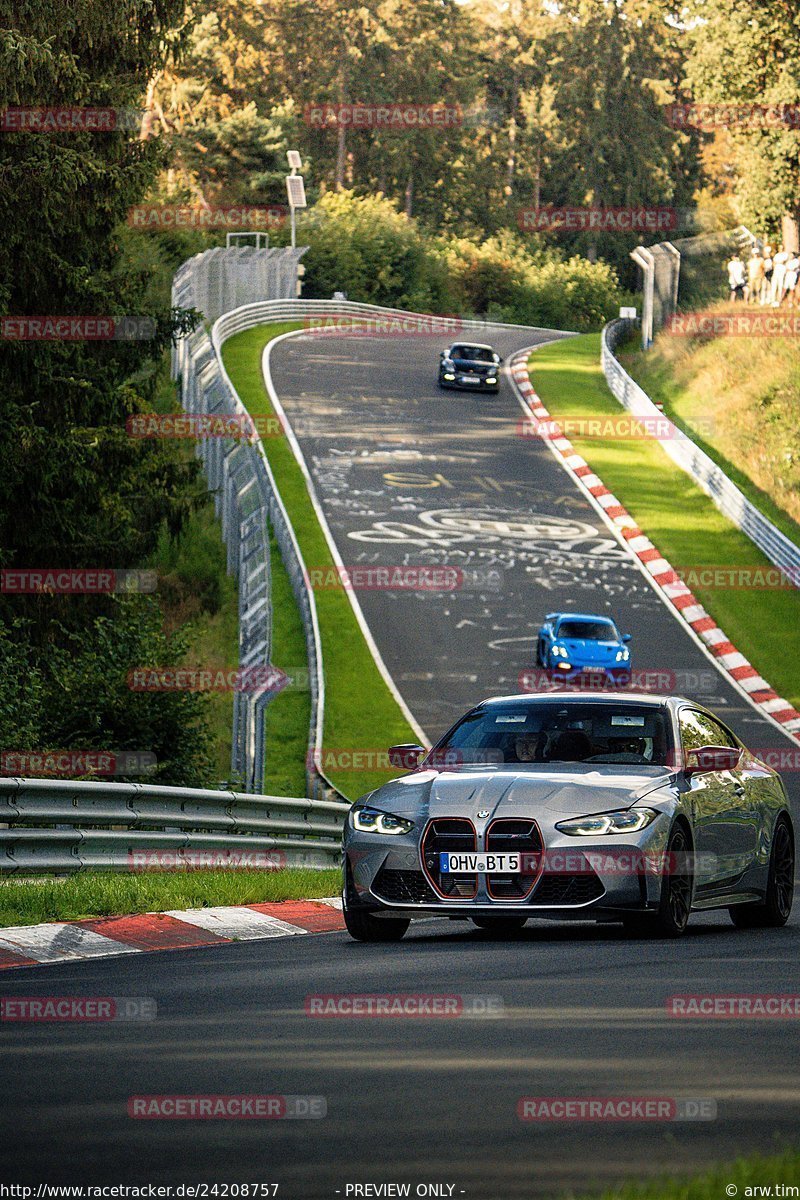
{"x": 624, "y": 808}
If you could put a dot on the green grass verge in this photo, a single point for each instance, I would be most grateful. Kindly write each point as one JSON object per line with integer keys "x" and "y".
{"x": 737, "y": 398}
{"x": 680, "y": 519}
{"x": 289, "y": 714}
{"x": 29, "y": 902}
{"x": 360, "y": 711}
{"x": 746, "y": 1175}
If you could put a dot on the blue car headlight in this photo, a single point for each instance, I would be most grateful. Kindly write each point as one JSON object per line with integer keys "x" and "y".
{"x": 629, "y": 821}
{"x": 623, "y": 655}
{"x": 372, "y": 820}
{"x": 559, "y": 651}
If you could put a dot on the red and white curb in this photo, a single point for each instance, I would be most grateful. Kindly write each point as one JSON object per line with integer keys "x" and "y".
{"x": 668, "y": 583}
{"x": 104, "y": 937}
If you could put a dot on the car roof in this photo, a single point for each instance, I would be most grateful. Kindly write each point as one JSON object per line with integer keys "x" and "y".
{"x": 475, "y": 345}
{"x": 577, "y": 616}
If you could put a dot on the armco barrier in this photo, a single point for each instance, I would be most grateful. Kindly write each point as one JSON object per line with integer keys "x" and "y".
{"x": 778, "y": 548}
{"x": 54, "y": 826}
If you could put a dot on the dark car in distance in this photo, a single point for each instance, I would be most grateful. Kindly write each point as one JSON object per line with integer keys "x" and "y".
{"x": 470, "y": 366}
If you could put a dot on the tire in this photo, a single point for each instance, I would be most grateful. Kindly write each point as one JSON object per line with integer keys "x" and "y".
{"x": 499, "y": 924}
{"x": 774, "y": 910}
{"x": 675, "y": 906}
{"x": 366, "y": 927}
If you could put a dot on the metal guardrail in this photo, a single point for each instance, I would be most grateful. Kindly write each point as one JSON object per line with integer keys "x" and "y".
{"x": 54, "y": 826}
{"x": 778, "y": 548}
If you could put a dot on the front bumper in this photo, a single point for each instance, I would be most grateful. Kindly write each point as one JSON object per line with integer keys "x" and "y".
{"x": 462, "y": 385}
{"x": 593, "y": 675}
{"x": 601, "y": 879}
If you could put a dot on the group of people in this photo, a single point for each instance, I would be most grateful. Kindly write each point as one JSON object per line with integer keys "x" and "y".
{"x": 769, "y": 277}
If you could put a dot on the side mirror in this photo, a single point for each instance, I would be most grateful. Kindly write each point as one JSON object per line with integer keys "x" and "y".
{"x": 711, "y": 758}
{"x": 406, "y": 756}
{"x": 626, "y": 637}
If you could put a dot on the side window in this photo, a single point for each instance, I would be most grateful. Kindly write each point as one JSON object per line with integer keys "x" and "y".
{"x": 698, "y": 730}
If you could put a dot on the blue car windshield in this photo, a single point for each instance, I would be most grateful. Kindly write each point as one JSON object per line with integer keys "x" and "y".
{"x": 535, "y": 732}
{"x": 588, "y": 631}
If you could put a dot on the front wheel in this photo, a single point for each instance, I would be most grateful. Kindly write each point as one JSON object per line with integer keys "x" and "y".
{"x": 672, "y": 916}
{"x": 366, "y": 927}
{"x": 774, "y": 910}
{"x": 499, "y": 924}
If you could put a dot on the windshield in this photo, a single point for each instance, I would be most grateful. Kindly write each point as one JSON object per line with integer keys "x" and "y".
{"x": 473, "y": 353}
{"x": 537, "y": 732}
{"x": 590, "y": 631}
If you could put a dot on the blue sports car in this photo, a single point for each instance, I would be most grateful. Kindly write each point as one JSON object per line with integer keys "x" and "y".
{"x": 572, "y": 644}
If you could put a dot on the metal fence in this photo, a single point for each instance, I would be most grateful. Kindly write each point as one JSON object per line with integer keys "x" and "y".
{"x": 225, "y": 278}
{"x": 54, "y": 826}
{"x": 779, "y": 549}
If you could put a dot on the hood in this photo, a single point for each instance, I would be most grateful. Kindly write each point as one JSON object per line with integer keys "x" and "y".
{"x": 478, "y": 367}
{"x": 570, "y": 790}
{"x": 591, "y": 651}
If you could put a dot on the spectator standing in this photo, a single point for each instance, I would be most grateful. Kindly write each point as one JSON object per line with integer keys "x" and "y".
{"x": 755, "y": 276}
{"x": 769, "y": 268}
{"x": 791, "y": 280}
{"x": 737, "y": 277}
{"x": 779, "y": 277}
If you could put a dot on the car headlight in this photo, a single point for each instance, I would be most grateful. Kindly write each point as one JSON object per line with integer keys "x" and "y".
{"x": 448, "y": 364}
{"x": 372, "y": 820}
{"x": 623, "y": 655}
{"x": 559, "y": 651}
{"x": 492, "y": 380}
{"x": 630, "y": 821}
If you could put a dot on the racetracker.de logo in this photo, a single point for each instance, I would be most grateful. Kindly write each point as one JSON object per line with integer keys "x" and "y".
{"x": 616, "y": 1108}
{"x": 69, "y": 120}
{"x": 595, "y": 219}
{"x": 399, "y": 325}
{"x": 70, "y": 764}
{"x": 229, "y": 216}
{"x": 227, "y": 1108}
{"x": 731, "y": 324}
{"x": 88, "y": 581}
{"x": 398, "y": 118}
{"x": 424, "y": 1006}
{"x": 77, "y": 328}
{"x": 238, "y": 427}
{"x": 263, "y": 678}
{"x": 89, "y": 1009}
{"x": 158, "y": 859}
{"x": 652, "y": 681}
{"x": 622, "y": 428}
{"x": 736, "y": 1006}
{"x": 711, "y": 117}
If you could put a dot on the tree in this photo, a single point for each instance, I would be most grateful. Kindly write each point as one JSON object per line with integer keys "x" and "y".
{"x": 751, "y": 56}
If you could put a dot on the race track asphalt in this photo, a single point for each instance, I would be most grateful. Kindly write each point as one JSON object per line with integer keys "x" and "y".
{"x": 409, "y": 475}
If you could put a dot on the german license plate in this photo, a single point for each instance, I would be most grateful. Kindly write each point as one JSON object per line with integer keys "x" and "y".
{"x": 463, "y": 862}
